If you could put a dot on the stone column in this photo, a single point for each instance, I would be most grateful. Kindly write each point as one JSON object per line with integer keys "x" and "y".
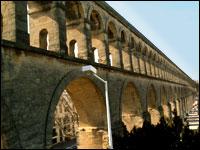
{"x": 106, "y": 45}
{"x": 155, "y": 69}
{"x": 158, "y": 69}
{"x": 148, "y": 67}
{"x": 119, "y": 46}
{"x": 161, "y": 71}
{"x": 135, "y": 61}
{"x": 141, "y": 64}
{"x": 58, "y": 11}
{"x": 88, "y": 44}
{"x": 145, "y": 63}
{"x": 15, "y": 26}
{"x": 131, "y": 58}
{"x": 126, "y": 57}
{"x": 151, "y": 67}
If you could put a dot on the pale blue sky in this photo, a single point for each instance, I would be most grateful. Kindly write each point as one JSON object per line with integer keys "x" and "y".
{"x": 172, "y": 26}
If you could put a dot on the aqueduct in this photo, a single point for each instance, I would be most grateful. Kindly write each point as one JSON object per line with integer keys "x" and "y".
{"x": 46, "y": 99}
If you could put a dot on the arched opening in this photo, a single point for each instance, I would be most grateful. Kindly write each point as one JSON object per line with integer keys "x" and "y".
{"x": 97, "y": 36}
{"x": 96, "y": 54}
{"x": 95, "y": 20}
{"x": 131, "y": 107}
{"x": 111, "y": 31}
{"x": 43, "y": 37}
{"x": 123, "y": 39}
{"x": 113, "y": 46}
{"x": 152, "y": 106}
{"x": 74, "y": 10}
{"x": 76, "y": 119}
{"x": 73, "y": 48}
{"x": 65, "y": 120}
{"x": 166, "y": 110}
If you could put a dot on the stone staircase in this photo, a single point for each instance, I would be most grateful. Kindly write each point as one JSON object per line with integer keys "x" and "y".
{"x": 193, "y": 117}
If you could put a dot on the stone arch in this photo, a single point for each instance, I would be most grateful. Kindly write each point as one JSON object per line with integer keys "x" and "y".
{"x": 152, "y": 105}
{"x": 145, "y": 51}
{"x": 112, "y": 31}
{"x": 123, "y": 37}
{"x": 132, "y": 42}
{"x": 139, "y": 46}
{"x": 131, "y": 109}
{"x": 84, "y": 103}
{"x": 113, "y": 45}
{"x": 97, "y": 36}
{"x": 149, "y": 54}
{"x": 43, "y": 38}
{"x": 96, "y": 22}
{"x": 74, "y": 10}
{"x": 164, "y": 102}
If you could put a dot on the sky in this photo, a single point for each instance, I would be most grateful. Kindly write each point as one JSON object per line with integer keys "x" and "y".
{"x": 172, "y": 26}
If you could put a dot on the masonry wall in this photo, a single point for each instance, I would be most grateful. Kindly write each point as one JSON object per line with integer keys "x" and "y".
{"x": 29, "y": 81}
{"x": 33, "y": 78}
